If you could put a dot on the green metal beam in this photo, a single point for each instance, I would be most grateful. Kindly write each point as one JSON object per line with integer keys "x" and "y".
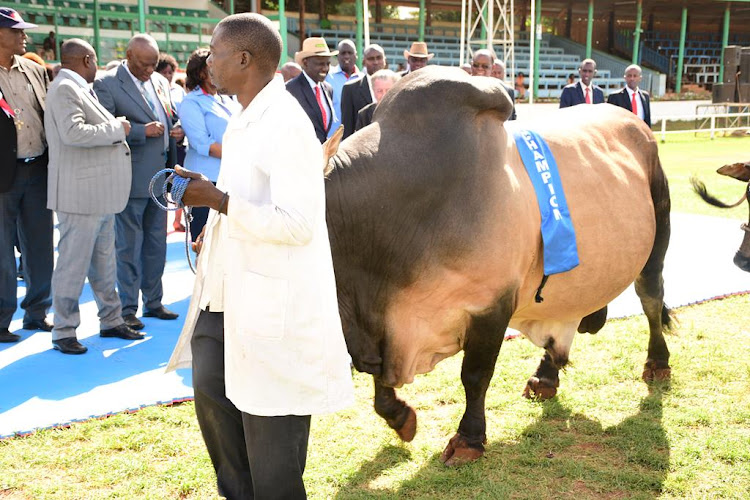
{"x": 538, "y": 28}
{"x": 142, "y": 16}
{"x": 681, "y": 54}
{"x": 97, "y": 39}
{"x": 358, "y": 9}
{"x": 724, "y": 42}
{"x": 422, "y": 17}
{"x": 283, "y": 31}
{"x": 231, "y": 7}
{"x": 637, "y": 31}
{"x": 590, "y": 30}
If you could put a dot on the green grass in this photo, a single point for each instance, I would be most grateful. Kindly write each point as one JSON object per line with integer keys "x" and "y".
{"x": 606, "y": 435}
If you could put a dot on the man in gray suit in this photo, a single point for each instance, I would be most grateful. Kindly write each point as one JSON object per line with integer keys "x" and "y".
{"x": 89, "y": 181}
{"x": 134, "y": 90}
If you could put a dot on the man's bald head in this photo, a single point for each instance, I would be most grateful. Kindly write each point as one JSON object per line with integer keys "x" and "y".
{"x": 143, "y": 56}
{"x": 79, "y": 56}
{"x": 290, "y": 70}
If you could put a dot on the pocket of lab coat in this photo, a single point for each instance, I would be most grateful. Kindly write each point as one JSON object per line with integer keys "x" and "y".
{"x": 261, "y": 306}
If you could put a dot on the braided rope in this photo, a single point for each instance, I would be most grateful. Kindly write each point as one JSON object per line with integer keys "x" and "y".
{"x": 174, "y": 196}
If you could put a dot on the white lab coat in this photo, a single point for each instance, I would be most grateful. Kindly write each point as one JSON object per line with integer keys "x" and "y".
{"x": 284, "y": 348}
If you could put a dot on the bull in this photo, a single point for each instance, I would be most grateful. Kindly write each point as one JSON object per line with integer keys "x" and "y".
{"x": 435, "y": 236}
{"x": 741, "y": 172}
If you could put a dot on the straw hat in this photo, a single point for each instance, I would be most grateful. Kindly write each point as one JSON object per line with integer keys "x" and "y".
{"x": 313, "y": 46}
{"x": 418, "y": 49}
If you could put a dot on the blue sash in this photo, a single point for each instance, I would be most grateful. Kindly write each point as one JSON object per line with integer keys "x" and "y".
{"x": 558, "y": 235}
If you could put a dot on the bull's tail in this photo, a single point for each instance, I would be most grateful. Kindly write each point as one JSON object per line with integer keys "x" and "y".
{"x": 700, "y": 189}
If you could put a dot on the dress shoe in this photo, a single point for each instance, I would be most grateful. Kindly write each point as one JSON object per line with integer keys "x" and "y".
{"x": 122, "y": 331}
{"x": 38, "y": 324}
{"x": 6, "y": 337}
{"x": 69, "y": 345}
{"x": 132, "y": 322}
{"x": 161, "y": 312}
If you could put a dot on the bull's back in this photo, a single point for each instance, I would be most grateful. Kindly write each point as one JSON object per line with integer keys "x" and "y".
{"x": 606, "y": 161}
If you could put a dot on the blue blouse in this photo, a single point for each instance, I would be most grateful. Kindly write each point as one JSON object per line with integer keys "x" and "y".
{"x": 204, "y": 119}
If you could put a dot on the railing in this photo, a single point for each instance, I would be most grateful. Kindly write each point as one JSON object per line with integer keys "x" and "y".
{"x": 708, "y": 123}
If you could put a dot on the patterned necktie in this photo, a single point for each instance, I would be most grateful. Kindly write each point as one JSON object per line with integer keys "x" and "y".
{"x": 320, "y": 105}
{"x": 145, "y": 95}
{"x": 588, "y": 96}
{"x": 93, "y": 94}
{"x": 634, "y": 103}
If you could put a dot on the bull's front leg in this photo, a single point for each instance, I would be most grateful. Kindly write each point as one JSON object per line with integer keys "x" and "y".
{"x": 483, "y": 340}
{"x": 398, "y": 415}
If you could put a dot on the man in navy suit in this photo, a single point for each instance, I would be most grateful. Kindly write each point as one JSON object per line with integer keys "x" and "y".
{"x": 136, "y": 91}
{"x": 631, "y": 97}
{"x": 310, "y": 89}
{"x": 357, "y": 94}
{"x": 583, "y": 91}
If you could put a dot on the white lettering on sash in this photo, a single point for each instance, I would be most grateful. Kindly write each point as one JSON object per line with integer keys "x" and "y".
{"x": 542, "y": 167}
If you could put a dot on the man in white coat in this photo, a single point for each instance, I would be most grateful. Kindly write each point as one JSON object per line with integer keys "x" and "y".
{"x": 267, "y": 346}
{"x": 88, "y": 182}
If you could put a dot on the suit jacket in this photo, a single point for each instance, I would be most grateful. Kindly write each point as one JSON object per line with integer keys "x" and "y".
{"x": 622, "y": 99}
{"x": 573, "y": 94}
{"x": 364, "y": 116}
{"x": 37, "y": 77}
{"x": 354, "y": 96}
{"x": 512, "y": 94}
{"x": 300, "y": 89}
{"x": 89, "y": 160}
{"x": 120, "y": 96}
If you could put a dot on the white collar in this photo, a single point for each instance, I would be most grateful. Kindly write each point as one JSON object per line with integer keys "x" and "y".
{"x": 310, "y": 81}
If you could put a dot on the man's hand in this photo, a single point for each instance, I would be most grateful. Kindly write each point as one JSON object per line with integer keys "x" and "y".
{"x": 154, "y": 129}
{"x": 125, "y": 124}
{"x": 177, "y": 133}
{"x": 198, "y": 243}
{"x": 200, "y": 191}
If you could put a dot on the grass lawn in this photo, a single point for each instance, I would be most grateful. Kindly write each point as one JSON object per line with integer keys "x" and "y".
{"x": 606, "y": 434}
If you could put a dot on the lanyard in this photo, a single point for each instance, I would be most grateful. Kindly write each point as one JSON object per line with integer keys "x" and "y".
{"x": 6, "y": 107}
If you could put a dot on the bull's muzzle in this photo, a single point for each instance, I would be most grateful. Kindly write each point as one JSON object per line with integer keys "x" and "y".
{"x": 742, "y": 257}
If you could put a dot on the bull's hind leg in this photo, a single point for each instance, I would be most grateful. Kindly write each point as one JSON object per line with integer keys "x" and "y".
{"x": 483, "y": 340}
{"x": 650, "y": 286}
{"x": 398, "y": 415}
{"x": 545, "y": 381}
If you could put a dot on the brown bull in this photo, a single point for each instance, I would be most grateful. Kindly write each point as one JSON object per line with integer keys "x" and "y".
{"x": 435, "y": 234}
{"x": 741, "y": 172}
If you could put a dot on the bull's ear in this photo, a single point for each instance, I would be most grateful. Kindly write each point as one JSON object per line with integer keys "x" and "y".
{"x": 331, "y": 146}
{"x": 739, "y": 171}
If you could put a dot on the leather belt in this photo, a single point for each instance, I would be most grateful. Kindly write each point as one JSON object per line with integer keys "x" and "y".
{"x": 33, "y": 159}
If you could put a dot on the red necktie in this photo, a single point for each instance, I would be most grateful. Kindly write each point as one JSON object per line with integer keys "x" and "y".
{"x": 588, "y": 96}
{"x": 320, "y": 104}
{"x": 634, "y": 103}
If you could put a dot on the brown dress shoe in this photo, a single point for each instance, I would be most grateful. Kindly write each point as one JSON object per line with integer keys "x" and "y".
{"x": 69, "y": 345}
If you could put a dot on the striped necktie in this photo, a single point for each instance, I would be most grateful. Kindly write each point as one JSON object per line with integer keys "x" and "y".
{"x": 144, "y": 93}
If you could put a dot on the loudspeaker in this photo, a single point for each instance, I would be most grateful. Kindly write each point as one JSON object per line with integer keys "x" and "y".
{"x": 730, "y": 75}
{"x": 744, "y": 96}
{"x": 732, "y": 55}
{"x": 745, "y": 65}
{"x": 723, "y": 92}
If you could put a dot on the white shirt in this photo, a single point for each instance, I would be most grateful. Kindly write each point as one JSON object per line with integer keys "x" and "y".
{"x": 591, "y": 91}
{"x": 639, "y": 101}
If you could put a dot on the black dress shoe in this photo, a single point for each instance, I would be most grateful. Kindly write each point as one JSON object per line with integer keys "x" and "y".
{"x": 69, "y": 345}
{"x": 122, "y": 331}
{"x": 6, "y": 337}
{"x": 161, "y": 313}
{"x": 132, "y": 322}
{"x": 38, "y": 324}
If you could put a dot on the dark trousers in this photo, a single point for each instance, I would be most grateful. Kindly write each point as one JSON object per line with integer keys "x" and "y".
{"x": 254, "y": 457}
{"x": 141, "y": 242}
{"x": 24, "y": 215}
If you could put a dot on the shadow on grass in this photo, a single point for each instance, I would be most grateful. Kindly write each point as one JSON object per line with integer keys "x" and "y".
{"x": 561, "y": 455}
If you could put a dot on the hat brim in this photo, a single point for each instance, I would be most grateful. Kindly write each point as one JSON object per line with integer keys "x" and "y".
{"x": 408, "y": 54}
{"x": 299, "y": 56}
{"x": 21, "y": 25}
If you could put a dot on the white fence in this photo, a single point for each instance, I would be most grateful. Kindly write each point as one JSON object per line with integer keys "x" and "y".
{"x": 705, "y": 123}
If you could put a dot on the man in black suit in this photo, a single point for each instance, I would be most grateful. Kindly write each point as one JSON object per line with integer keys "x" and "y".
{"x": 631, "y": 97}
{"x": 357, "y": 94}
{"x": 583, "y": 91}
{"x": 310, "y": 88}
{"x": 23, "y": 180}
{"x": 382, "y": 81}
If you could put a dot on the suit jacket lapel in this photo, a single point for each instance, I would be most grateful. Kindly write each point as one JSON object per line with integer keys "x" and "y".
{"x": 581, "y": 93}
{"x": 129, "y": 88}
{"x": 364, "y": 89}
{"x": 330, "y": 106}
{"x": 312, "y": 102}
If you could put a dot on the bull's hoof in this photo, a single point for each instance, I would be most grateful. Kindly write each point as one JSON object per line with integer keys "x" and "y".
{"x": 459, "y": 451}
{"x": 540, "y": 389}
{"x": 654, "y": 371}
{"x": 409, "y": 429}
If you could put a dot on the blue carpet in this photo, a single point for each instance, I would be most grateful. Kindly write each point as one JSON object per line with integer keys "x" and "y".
{"x": 42, "y": 388}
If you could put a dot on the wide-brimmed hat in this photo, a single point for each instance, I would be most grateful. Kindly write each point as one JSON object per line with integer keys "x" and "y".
{"x": 418, "y": 49}
{"x": 9, "y": 18}
{"x": 313, "y": 46}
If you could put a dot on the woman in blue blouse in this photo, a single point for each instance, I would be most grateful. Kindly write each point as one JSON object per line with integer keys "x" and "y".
{"x": 204, "y": 115}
